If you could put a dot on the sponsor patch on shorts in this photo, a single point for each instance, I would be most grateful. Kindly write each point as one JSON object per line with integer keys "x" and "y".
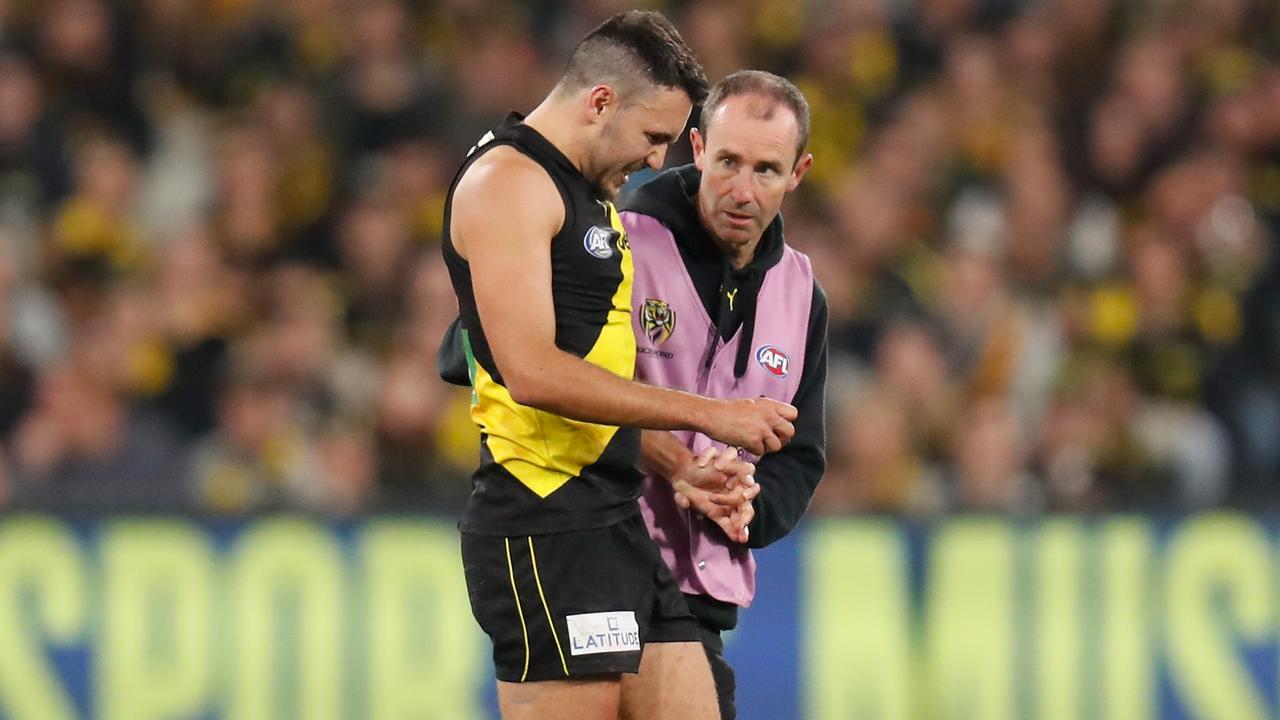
{"x": 603, "y": 632}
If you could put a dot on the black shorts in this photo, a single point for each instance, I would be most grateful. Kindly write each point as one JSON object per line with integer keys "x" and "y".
{"x": 573, "y": 604}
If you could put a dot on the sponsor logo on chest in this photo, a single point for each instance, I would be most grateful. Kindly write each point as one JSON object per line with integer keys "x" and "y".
{"x": 599, "y": 241}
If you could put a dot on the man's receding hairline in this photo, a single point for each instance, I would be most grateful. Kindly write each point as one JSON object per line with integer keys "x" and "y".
{"x": 760, "y": 106}
{"x": 770, "y": 89}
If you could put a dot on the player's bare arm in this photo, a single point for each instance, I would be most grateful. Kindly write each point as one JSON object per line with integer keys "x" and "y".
{"x": 511, "y": 277}
{"x": 724, "y": 473}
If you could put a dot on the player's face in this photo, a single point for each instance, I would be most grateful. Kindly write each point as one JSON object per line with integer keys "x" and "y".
{"x": 748, "y": 164}
{"x": 637, "y": 136}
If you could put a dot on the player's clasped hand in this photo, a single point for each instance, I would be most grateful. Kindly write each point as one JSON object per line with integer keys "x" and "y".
{"x": 758, "y": 425}
{"x": 720, "y": 486}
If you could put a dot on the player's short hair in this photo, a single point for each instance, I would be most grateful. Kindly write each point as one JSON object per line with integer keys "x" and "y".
{"x": 632, "y": 49}
{"x": 778, "y": 91}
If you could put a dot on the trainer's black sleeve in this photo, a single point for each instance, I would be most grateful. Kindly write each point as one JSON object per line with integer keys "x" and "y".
{"x": 788, "y": 477}
{"x": 451, "y": 357}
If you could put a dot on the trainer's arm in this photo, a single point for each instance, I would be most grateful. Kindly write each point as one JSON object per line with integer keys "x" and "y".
{"x": 789, "y": 477}
{"x": 511, "y": 277}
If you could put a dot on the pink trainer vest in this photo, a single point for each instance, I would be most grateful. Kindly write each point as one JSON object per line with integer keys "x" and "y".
{"x": 673, "y": 337}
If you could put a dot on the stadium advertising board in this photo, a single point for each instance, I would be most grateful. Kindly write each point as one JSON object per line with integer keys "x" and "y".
{"x": 287, "y": 617}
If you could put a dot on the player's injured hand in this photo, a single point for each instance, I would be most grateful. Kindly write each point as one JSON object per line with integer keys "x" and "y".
{"x": 719, "y": 485}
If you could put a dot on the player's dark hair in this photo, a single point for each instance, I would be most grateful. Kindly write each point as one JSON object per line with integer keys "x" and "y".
{"x": 777, "y": 90}
{"x": 631, "y": 47}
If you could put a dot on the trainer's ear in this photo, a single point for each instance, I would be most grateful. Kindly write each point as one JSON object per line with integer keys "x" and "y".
{"x": 699, "y": 147}
{"x": 802, "y": 167}
{"x": 600, "y": 99}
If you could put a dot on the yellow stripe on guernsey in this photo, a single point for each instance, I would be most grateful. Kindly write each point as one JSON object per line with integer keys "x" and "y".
{"x": 543, "y": 450}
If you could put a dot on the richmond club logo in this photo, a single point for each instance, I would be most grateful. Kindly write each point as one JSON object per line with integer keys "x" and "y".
{"x": 658, "y": 320}
{"x": 597, "y": 241}
{"x": 773, "y": 359}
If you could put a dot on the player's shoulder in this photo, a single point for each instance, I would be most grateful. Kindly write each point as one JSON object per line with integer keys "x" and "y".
{"x": 505, "y": 180}
{"x": 505, "y": 169}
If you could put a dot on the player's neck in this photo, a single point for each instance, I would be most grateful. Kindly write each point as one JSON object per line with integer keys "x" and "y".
{"x": 552, "y": 122}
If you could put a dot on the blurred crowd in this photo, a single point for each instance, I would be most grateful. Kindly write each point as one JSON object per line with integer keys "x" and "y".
{"x": 1045, "y": 228}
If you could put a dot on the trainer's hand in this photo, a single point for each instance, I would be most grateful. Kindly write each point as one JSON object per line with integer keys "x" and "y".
{"x": 721, "y": 487}
{"x": 759, "y": 425}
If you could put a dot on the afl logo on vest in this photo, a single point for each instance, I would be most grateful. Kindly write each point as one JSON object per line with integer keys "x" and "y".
{"x": 596, "y": 241}
{"x": 773, "y": 359}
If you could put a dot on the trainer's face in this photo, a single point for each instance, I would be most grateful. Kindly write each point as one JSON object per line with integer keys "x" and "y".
{"x": 748, "y": 164}
{"x": 635, "y": 135}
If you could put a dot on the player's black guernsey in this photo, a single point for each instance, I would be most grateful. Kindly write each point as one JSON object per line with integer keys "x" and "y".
{"x": 541, "y": 472}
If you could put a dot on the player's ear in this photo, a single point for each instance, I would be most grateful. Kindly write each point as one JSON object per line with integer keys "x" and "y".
{"x": 599, "y": 100}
